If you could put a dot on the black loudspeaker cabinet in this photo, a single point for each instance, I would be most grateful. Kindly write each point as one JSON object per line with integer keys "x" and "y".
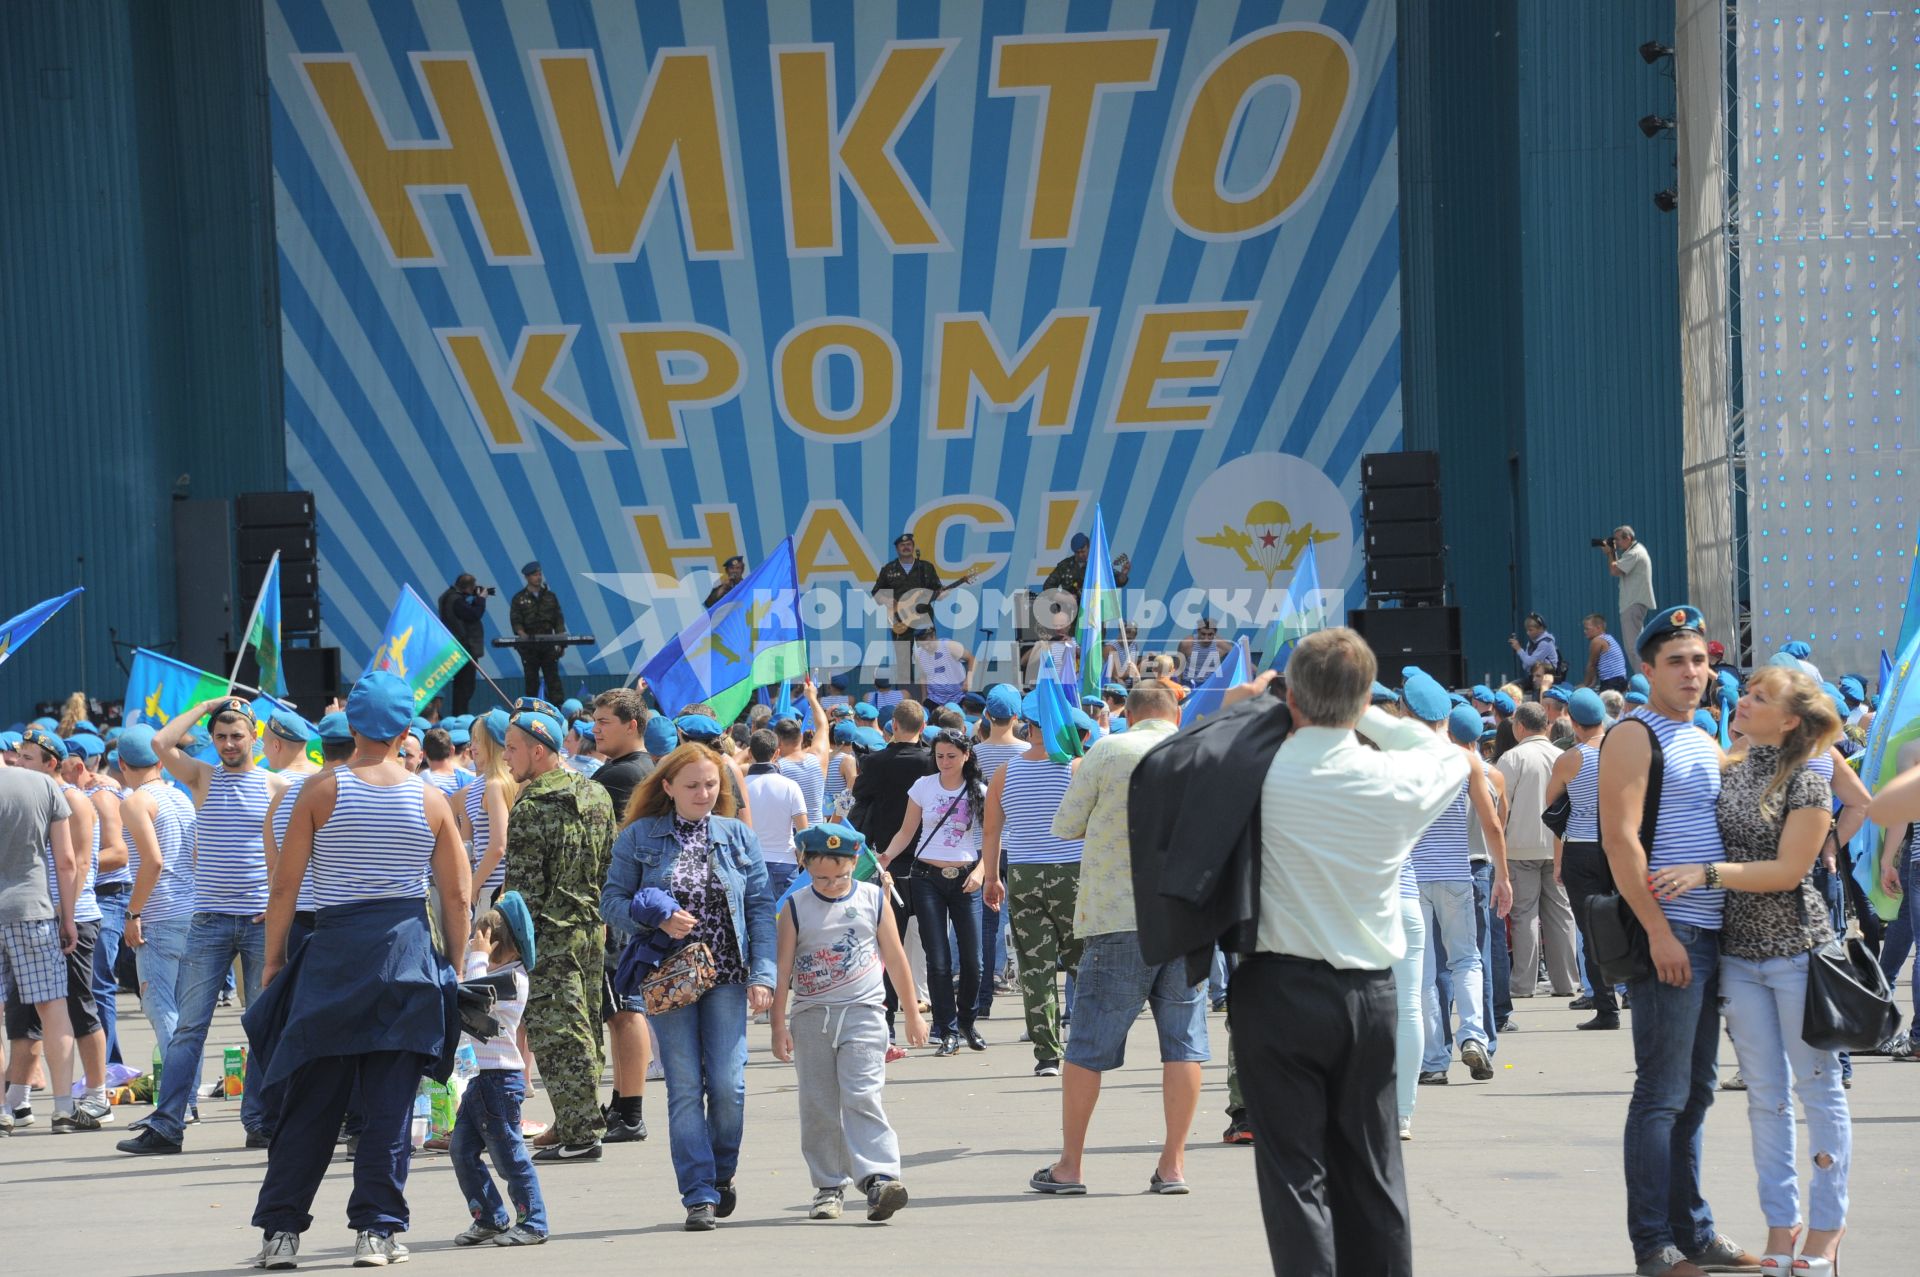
{"x": 1404, "y": 539}
{"x": 298, "y": 580}
{"x": 313, "y": 677}
{"x": 299, "y": 614}
{"x": 1399, "y": 505}
{"x": 274, "y": 509}
{"x": 1428, "y": 637}
{"x": 258, "y": 544}
{"x": 1421, "y": 574}
{"x": 1399, "y": 469}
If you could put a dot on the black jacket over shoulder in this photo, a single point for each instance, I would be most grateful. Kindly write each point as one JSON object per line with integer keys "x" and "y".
{"x": 1193, "y": 821}
{"x": 880, "y": 796}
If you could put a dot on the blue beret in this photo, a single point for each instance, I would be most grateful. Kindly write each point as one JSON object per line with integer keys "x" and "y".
{"x": 1669, "y": 621}
{"x": 1030, "y": 707}
{"x": 1489, "y": 736}
{"x": 496, "y": 722}
{"x": 11, "y": 740}
{"x": 1097, "y": 702}
{"x": 1504, "y": 703}
{"x": 289, "y": 726}
{"x": 1636, "y": 698}
{"x": 513, "y": 907}
{"x": 333, "y": 729}
{"x": 1798, "y": 650}
{"x": 1083, "y": 721}
{"x": 1704, "y": 721}
{"x": 1785, "y": 660}
{"x": 234, "y": 705}
{"x": 1483, "y": 693}
{"x": 136, "y": 747}
{"x": 698, "y": 727}
{"x": 534, "y": 705}
{"x": 113, "y": 733}
{"x": 867, "y": 713}
{"x": 1003, "y": 701}
{"x": 1464, "y": 724}
{"x": 583, "y": 727}
{"x": 1079, "y": 542}
{"x": 829, "y": 839}
{"x": 972, "y": 701}
{"x": 85, "y": 745}
{"x": 38, "y": 735}
{"x": 1384, "y": 695}
{"x": 660, "y": 737}
{"x": 845, "y": 733}
{"x": 419, "y": 726}
{"x": 1425, "y": 699}
{"x": 1585, "y": 708}
{"x": 459, "y": 736}
{"x": 1853, "y": 688}
{"x": 529, "y": 567}
{"x": 1638, "y": 683}
{"x": 1558, "y": 692}
{"x": 47, "y": 724}
{"x": 930, "y": 732}
{"x": 1457, "y": 698}
{"x": 544, "y": 728}
{"x": 84, "y": 726}
{"x": 886, "y": 719}
{"x": 571, "y": 707}
{"x": 380, "y": 706}
{"x": 838, "y": 681}
{"x": 870, "y": 737}
{"x": 1112, "y": 689}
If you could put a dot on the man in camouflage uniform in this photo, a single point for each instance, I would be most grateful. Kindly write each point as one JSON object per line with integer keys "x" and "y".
{"x": 533, "y": 612}
{"x": 559, "y": 842}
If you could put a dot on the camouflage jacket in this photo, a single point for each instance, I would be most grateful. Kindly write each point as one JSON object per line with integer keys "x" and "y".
{"x": 540, "y": 613}
{"x": 559, "y": 843}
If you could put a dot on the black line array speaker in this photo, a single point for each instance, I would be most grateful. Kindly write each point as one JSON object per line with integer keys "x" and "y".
{"x": 283, "y": 523}
{"x": 1425, "y": 636}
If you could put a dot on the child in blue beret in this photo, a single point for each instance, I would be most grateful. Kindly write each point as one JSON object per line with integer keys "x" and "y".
{"x": 837, "y": 936}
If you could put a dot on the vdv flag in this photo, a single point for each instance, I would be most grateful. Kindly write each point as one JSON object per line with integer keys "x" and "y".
{"x": 263, "y": 635}
{"x": 19, "y": 629}
{"x": 1299, "y": 614}
{"x": 1910, "y": 619}
{"x": 1896, "y": 722}
{"x": 418, "y": 648}
{"x": 160, "y": 688}
{"x": 1057, "y": 728}
{"x": 749, "y": 639}
{"x": 1206, "y": 698}
{"x": 1099, "y": 603}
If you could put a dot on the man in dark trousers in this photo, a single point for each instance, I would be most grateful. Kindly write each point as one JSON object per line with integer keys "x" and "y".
{"x": 907, "y": 586}
{"x": 880, "y": 805}
{"x": 462, "y": 607}
{"x": 535, "y": 611}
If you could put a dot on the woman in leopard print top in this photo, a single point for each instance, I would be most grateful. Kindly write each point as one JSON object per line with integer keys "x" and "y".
{"x": 1775, "y": 812}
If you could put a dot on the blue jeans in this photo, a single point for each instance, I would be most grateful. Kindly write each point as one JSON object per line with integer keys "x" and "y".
{"x": 703, "y": 1051}
{"x": 993, "y": 954}
{"x": 1447, "y": 908}
{"x": 938, "y": 902}
{"x": 106, "y": 952}
{"x": 1115, "y": 982}
{"x": 213, "y": 942}
{"x": 1496, "y": 961}
{"x": 158, "y": 960}
{"x": 1898, "y": 943}
{"x": 1676, "y": 1035}
{"x": 780, "y": 877}
{"x": 489, "y": 1122}
{"x": 1409, "y": 980}
{"x": 1763, "y": 1002}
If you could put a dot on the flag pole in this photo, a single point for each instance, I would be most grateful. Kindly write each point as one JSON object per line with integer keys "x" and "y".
{"x": 490, "y": 683}
{"x": 242, "y": 687}
{"x": 240, "y": 653}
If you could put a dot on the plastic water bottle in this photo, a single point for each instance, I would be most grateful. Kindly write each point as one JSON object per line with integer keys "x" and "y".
{"x": 422, "y": 1117}
{"x": 466, "y": 1062}
{"x": 159, "y": 1063}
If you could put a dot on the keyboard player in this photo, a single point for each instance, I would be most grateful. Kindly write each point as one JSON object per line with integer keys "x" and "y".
{"x": 535, "y": 611}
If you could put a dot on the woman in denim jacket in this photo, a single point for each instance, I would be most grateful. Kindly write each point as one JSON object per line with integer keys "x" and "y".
{"x": 684, "y": 872}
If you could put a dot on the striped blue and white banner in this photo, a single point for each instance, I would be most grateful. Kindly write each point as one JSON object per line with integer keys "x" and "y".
{"x": 629, "y": 286}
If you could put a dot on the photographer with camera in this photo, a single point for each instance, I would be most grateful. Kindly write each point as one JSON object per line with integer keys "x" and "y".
{"x": 1627, "y": 559}
{"x": 462, "y": 607}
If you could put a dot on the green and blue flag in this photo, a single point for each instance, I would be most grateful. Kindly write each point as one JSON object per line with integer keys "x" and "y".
{"x": 418, "y": 648}
{"x": 1300, "y": 615}
{"x": 263, "y": 635}
{"x": 1057, "y": 729}
{"x": 1205, "y": 699}
{"x": 159, "y": 689}
{"x": 750, "y": 639}
{"x": 1896, "y": 722}
{"x": 17, "y": 630}
{"x": 1099, "y": 603}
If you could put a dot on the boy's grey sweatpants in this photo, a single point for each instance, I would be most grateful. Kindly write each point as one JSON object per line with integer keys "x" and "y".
{"x": 840, "y": 1054}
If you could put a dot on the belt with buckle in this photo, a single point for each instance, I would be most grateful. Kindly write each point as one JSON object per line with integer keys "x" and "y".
{"x": 952, "y": 871}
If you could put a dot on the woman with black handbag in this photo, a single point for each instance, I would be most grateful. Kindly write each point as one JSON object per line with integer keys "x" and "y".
{"x": 688, "y": 883}
{"x": 1774, "y": 813}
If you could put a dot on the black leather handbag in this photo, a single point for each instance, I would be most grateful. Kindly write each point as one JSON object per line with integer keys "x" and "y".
{"x": 1558, "y": 814}
{"x": 1849, "y": 1004}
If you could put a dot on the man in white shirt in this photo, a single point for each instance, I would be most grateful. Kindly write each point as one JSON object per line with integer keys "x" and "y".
{"x": 1537, "y": 898}
{"x": 1628, "y": 560}
{"x": 1314, "y": 1008}
{"x": 776, "y": 808}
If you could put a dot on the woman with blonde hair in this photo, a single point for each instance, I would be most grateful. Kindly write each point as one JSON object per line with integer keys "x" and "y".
{"x": 689, "y": 885}
{"x": 481, "y": 809}
{"x": 73, "y": 712}
{"x": 1775, "y": 810}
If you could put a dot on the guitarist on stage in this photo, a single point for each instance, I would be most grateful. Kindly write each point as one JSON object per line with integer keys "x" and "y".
{"x": 534, "y": 611}
{"x": 911, "y": 618}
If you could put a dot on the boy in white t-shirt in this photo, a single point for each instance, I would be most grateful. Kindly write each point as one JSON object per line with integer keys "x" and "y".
{"x": 777, "y": 808}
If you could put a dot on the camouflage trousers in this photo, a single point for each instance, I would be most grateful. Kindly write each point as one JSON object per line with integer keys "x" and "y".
{"x": 1039, "y": 903}
{"x": 563, "y": 1028}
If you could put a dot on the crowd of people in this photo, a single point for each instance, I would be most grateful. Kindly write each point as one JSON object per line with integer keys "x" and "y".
{"x": 1380, "y": 870}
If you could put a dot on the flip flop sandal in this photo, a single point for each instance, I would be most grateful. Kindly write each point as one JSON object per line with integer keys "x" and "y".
{"x": 1167, "y": 1187}
{"x": 1044, "y": 1182}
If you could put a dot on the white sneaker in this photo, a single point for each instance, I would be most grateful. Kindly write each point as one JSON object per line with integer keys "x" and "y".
{"x": 826, "y": 1204}
{"x": 279, "y": 1251}
{"x": 371, "y": 1250}
{"x": 1406, "y": 1129}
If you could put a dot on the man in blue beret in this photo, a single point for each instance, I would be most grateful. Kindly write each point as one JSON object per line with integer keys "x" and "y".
{"x": 559, "y": 845}
{"x": 535, "y": 611}
{"x": 1676, "y": 1018}
{"x": 230, "y": 905}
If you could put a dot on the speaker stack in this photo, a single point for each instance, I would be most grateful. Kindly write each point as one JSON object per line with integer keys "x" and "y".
{"x": 266, "y": 523}
{"x": 1407, "y": 620}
